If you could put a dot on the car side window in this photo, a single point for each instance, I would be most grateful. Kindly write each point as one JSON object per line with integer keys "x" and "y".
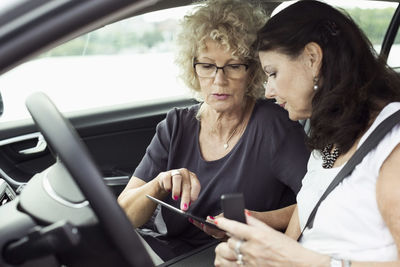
{"x": 373, "y": 17}
{"x": 129, "y": 61}
{"x": 394, "y": 54}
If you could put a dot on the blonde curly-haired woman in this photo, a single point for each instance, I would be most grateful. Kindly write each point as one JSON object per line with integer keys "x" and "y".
{"x": 232, "y": 141}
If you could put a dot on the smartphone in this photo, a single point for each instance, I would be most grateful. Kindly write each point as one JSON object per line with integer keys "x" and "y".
{"x": 233, "y": 207}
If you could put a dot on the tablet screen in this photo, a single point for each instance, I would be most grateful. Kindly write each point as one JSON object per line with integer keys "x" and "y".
{"x": 184, "y": 213}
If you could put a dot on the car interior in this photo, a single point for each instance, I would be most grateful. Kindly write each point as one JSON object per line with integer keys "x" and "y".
{"x": 61, "y": 169}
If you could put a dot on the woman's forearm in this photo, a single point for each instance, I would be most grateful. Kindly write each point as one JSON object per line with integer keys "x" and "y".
{"x": 277, "y": 219}
{"x": 134, "y": 202}
{"x": 293, "y": 230}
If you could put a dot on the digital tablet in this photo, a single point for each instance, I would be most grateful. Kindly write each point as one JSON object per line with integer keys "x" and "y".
{"x": 184, "y": 213}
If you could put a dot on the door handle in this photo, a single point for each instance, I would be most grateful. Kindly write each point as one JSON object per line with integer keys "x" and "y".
{"x": 40, "y": 147}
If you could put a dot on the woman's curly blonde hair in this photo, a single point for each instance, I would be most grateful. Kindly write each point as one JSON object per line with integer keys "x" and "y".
{"x": 234, "y": 25}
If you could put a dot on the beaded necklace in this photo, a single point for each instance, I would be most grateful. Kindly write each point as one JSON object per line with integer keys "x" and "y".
{"x": 329, "y": 156}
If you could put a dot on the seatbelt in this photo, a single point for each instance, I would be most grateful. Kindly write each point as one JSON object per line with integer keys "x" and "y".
{"x": 371, "y": 142}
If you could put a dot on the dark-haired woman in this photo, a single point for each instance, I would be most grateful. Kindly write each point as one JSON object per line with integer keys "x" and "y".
{"x": 321, "y": 66}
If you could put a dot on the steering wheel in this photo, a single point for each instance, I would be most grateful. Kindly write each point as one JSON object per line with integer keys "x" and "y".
{"x": 68, "y": 147}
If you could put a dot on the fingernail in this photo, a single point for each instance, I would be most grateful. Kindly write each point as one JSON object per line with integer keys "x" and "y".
{"x": 185, "y": 206}
{"x": 247, "y": 213}
{"x": 202, "y": 225}
{"x": 216, "y": 222}
{"x": 176, "y": 197}
{"x": 190, "y": 220}
{"x": 212, "y": 218}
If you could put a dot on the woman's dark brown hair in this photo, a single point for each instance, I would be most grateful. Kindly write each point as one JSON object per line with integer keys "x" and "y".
{"x": 355, "y": 85}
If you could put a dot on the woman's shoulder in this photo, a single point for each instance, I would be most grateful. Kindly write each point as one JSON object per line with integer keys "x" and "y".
{"x": 183, "y": 114}
{"x": 269, "y": 106}
{"x": 179, "y": 120}
{"x": 266, "y": 110}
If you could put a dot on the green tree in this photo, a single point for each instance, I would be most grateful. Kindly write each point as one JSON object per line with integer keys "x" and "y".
{"x": 374, "y": 22}
{"x": 151, "y": 38}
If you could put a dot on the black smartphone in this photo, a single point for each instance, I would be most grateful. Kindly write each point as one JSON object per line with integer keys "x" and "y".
{"x": 233, "y": 207}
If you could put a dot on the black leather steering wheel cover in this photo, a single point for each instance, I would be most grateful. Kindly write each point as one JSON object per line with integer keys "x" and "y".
{"x": 67, "y": 145}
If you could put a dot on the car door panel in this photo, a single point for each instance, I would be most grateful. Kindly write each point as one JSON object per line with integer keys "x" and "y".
{"x": 116, "y": 137}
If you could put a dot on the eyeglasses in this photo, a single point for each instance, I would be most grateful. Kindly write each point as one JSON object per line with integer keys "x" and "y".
{"x": 233, "y": 71}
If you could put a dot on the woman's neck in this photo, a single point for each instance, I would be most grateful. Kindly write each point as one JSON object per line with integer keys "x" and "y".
{"x": 224, "y": 123}
{"x": 220, "y": 132}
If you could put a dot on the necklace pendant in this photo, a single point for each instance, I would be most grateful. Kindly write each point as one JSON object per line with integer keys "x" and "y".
{"x": 226, "y": 145}
{"x": 329, "y": 156}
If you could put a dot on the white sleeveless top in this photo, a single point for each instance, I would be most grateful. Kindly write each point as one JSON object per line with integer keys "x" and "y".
{"x": 348, "y": 224}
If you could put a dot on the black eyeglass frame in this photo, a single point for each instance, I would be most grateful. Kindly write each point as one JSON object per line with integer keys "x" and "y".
{"x": 219, "y": 68}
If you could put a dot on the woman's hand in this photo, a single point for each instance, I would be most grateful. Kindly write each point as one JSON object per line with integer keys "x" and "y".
{"x": 217, "y": 234}
{"x": 257, "y": 244}
{"x": 182, "y": 183}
